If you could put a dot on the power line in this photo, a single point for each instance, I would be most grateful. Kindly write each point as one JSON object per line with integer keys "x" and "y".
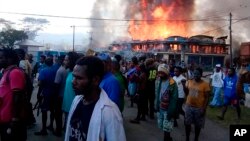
{"x": 106, "y": 19}
{"x": 226, "y": 25}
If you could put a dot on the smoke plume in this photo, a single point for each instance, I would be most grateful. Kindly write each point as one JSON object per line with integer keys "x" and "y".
{"x": 103, "y": 32}
{"x": 217, "y": 14}
{"x": 209, "y": 17}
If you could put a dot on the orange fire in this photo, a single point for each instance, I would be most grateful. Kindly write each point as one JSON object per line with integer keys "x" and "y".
{"x": 160, "y": 21}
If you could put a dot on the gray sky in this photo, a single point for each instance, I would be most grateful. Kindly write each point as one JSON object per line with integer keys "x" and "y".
{"x": 115, "y": 9}
{"x": 74, "y": 8}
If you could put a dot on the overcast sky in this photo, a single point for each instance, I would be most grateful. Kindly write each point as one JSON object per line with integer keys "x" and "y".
{"x": 113, "y": 9}
{"x": 73, "y": 8}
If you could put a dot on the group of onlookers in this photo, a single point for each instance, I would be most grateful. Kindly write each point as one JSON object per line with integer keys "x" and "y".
{"x": 180, "y": 90}
{"x": 80, "y": 87}
{"x": 164, "y": 88}
{"x": 89, "y": 91}
{"x": 230, "y": 88}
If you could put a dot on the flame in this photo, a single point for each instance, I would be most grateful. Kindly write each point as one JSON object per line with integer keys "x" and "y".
{"x": 159, "y": 21}
{"x": 159, "y": 12}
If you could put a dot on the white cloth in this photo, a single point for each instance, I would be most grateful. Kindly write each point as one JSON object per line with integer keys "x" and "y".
{"x": 217, "y": 79}
{"x": 178, "y": 79}
{"x": 218, "y": 65}
{"x": 247, "y": 100}
{"x": 26, "y": 66}
{"x": 190, "y": 74}
{"x": 106, "y": 121}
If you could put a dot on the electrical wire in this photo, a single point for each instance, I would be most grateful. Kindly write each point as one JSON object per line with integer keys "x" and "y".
{"x": 225, "y": 25}
{"x": 106, "y": 19}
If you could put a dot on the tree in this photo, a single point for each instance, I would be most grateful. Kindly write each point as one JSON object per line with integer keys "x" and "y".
{"x": 33, "y": 25}
{"x": 5, "y": 23}
{"x": 8, "y": 37}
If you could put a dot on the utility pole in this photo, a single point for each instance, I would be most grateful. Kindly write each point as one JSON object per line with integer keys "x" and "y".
{"x": 73, "y": 26}
{"x": 90, "y": 38}
{"x": 230, "y": 38}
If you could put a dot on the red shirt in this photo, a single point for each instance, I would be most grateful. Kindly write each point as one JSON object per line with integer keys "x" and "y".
{"x": 16, "y": 82}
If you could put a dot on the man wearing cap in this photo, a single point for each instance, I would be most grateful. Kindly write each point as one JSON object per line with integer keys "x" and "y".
{"x": 166, "y": 92}
{"x": 217, "y": 83}
{"x": 109, "y": 83}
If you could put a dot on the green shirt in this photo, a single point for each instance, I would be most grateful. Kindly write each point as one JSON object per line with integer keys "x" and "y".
{"x": 120, "y": 78}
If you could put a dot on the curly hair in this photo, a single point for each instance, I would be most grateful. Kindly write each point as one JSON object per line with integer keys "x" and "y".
{"x": 10, "y": 55}
{"x": 94, "y": 65}
{"x": 73, "y": 57}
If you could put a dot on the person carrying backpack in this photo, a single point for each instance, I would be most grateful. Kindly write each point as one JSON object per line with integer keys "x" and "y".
{"x": 12, "y": 98}
{"x": 25, "y": 66}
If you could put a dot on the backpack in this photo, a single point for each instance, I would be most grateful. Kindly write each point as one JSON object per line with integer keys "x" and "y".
{"x": 26, "y": 96}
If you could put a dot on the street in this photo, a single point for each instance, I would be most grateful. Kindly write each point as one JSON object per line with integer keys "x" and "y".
{"x": 145, "y": 131}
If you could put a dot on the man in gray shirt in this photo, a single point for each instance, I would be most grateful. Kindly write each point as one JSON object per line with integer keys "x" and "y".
{"x": 60, "y": 80}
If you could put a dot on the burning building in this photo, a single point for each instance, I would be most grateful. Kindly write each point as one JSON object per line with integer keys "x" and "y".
{"x": 158, "y": 19}
{"x": 245, "y": 52}
{"x": 200, "y": 49}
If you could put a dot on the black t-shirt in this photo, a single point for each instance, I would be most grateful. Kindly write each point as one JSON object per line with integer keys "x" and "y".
{"x": 151, "y": 77}
{"x": 79, "y": 122}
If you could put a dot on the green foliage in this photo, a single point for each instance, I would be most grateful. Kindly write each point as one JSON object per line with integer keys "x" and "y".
{"x": 30, "y": 27}
{"x": 10, "y": 36}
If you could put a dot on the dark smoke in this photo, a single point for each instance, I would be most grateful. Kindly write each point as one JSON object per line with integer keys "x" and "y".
{"x": 215, "y": 10}
{"x": 105, "y": 32}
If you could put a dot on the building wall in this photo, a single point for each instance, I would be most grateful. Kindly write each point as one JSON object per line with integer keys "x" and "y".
{"x": 33, "y": 51}
{"x": 205, "y": 62}
{"x": 245, "y": 49}
{"x": 245, "y": 52}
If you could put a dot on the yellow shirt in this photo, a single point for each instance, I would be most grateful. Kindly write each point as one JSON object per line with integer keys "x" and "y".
{"x": 198, "y": 93}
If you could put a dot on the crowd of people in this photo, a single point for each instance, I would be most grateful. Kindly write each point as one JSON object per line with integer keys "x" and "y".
{"x": 89, "y": 91}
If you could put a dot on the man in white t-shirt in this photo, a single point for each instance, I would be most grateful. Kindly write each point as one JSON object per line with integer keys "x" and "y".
{"x": 217, "y": 84}
{"x": 180, "y": 81}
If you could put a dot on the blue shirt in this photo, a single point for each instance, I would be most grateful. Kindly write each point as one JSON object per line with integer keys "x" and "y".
{"x": 55, "y": 67}
{"x": 112, "y": 87}
{"x": 47, "y": 77}
{"x": 230, "y": 86}
{"x": 41, "y": 66}
{"x": 69, "y": 93}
